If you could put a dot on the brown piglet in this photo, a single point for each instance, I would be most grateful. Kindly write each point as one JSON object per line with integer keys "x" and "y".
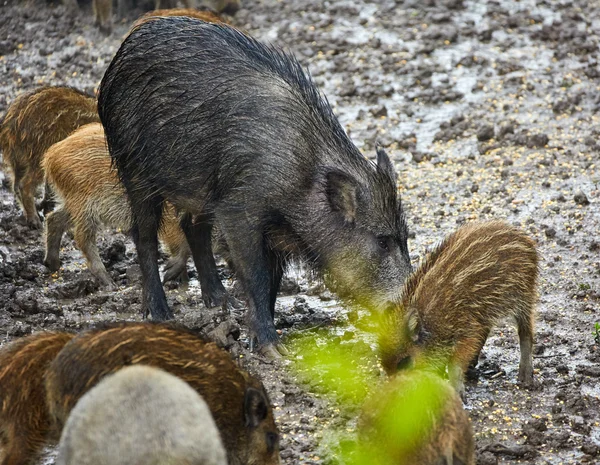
{"x": 480, "y": 274}
{"x": 25, "y": 423}
{"x": 237, "y": 401}
{"x": 33, "y": 122}
{"x": 415, "y": 418}
{"x": 90, "y": 194}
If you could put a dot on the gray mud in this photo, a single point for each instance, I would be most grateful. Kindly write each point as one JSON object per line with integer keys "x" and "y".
{"x": 489, "y": 110}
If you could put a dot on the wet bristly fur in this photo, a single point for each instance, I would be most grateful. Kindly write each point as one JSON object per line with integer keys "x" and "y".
{"x": 89, "y": 195}
{"x": 430, "y": 413}
{"x": 237, "y": 401}
{"x": 25, "y": 423}
{"x": 33, "y": 122}
{"x": 141, "y": 415}
{"x": 249, "y": 143}
{"x": 480, "y": 274}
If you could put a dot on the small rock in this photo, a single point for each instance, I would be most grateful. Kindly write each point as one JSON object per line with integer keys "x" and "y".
{"x": 563, "y": 369}
{"x": 590, "y": 448}
{"x": 508, "y": 128}
{"x": 486, "y": 132}
{"x": 487, "y": 458}
{"x": 537, "y": 140}
{"x": 418, "y": 157}
{"x": 591, "y": 371}
{"x": 225, "y": 334}
{"x": 550, "y": 232}
{"x": 580, "y": 198}
{"x": 348, "y": 89}
{"x": 379, "y": 111}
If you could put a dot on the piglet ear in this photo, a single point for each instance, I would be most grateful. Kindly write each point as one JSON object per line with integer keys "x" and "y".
{"x": 256, "y": 407}
{"x": 384, "y": 164}
{"x": 342, "y": 193}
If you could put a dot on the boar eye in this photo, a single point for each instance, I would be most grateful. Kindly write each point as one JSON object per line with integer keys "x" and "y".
{"x": 404, "y": 363}
{"x": 383, "y": 243}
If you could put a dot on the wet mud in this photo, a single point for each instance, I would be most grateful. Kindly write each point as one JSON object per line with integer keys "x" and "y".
{"x": 488, "y": 109}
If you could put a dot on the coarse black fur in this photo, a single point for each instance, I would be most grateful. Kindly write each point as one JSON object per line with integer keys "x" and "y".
{"x": 236, "y": 133}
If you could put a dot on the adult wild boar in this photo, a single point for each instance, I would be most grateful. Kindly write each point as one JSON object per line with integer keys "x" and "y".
{"x": 235, "y": 132}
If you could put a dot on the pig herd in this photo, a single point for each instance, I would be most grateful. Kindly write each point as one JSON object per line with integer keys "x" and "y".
{"x": 201, "y": 134}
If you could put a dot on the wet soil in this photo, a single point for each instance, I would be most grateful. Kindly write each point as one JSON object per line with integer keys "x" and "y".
{"x": 489, "y": 110}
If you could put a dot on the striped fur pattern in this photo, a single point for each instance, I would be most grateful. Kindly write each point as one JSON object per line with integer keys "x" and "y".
{"x": 208, "y": 16}
{"x": 437, "y": 429}
{"x": 482, "y": 273}
{"x": 238, "y": 402}
{"x": 90, "y": 195}
{"x": 33, "y": 122}
{"x": 25, "y": 423}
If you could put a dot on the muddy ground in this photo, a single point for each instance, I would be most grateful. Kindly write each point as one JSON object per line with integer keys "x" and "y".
{"x": 489, "y": 110}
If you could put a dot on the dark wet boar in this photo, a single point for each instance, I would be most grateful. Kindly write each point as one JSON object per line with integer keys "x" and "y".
{"x": 247, "y": 142}
{"x": 90, "y": 195}
{"x": 25, "y": 423}
{"x": 415, "y": 418}
{"x": 33, "y": 122}
{"x": 479, "y": 275}
{"x": 141, "y": 415}
{"x": 237, "y": 401}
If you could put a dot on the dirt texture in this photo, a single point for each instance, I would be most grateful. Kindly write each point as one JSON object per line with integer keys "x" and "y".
{"x": 488, "y": 109}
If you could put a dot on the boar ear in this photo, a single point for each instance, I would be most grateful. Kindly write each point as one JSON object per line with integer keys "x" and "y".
{"x": 384, "y": 164}
{"x": 342, "y": 193}
{"x": 256, "y": 407}
{"x": 414, "y": 325}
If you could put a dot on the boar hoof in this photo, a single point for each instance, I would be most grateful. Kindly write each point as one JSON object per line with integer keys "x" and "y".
{"x": 35, "y": 222}
{"x": 52, "y": 264}
{"x": 274, "y": 351}
{"x": 526, "y": 380}
{"x": 176, "y": 271}
{"x": 283, "y": 350}
{"x": 270, "y": 352}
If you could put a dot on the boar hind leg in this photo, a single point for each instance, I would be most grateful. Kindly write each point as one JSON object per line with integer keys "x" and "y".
{"x": 85, "y": 237}
{"x": 525, "y": 328}
{"x": 254, "y": 265}
{"x": 475, "y": 359}
{"x": 146, "y": 221}
{"x": 48, "y": 203}
{"x": 176, "y": 268}
{"x": 199, "y": 236}
{"x": 56, "y": 224}
{"x": 27, "y": 189}
{"x": 276, "y": 264}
